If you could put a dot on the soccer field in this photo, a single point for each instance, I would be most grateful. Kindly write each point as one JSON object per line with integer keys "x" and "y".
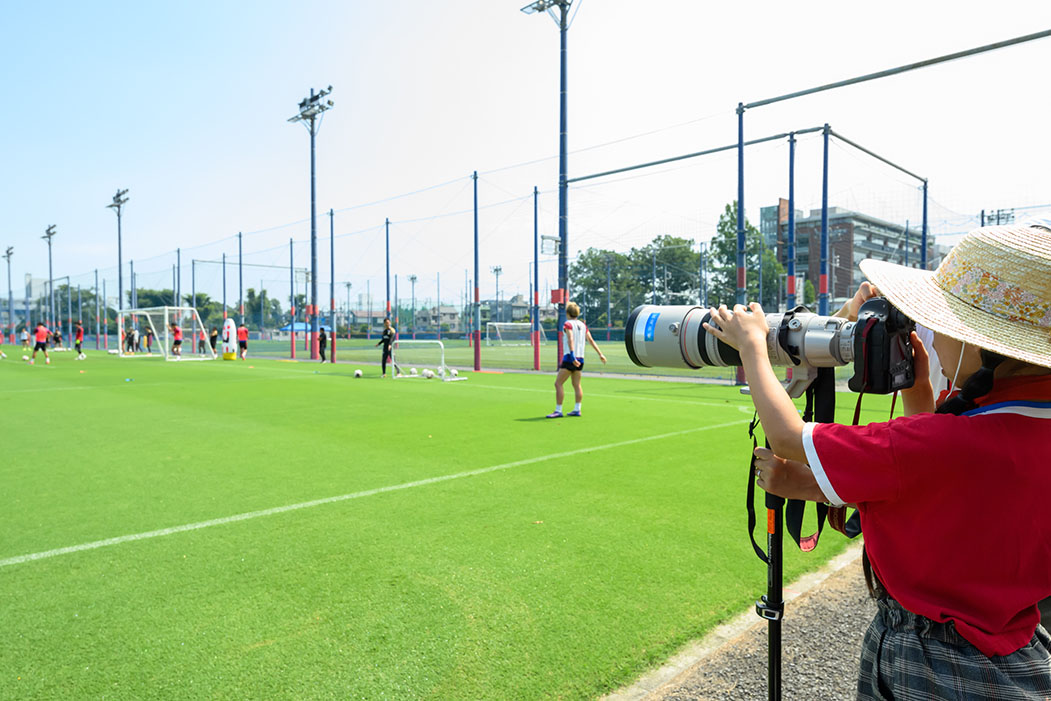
{"x": 271, "y": 529}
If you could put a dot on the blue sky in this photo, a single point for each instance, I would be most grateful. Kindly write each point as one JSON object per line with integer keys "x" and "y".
{"x": 186, "y": 105}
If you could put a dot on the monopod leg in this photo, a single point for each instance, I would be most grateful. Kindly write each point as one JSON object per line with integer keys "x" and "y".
{"x": 772, "y": 606}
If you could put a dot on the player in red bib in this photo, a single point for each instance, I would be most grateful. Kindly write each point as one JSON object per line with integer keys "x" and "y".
{"x": 952, "y": 497}
{"x": 176, "y": 340}
{"x": 78, "y": 339}
{"x": 242, "y": 341}
{"x": 575, "y": 332}
{"x": 40, "y": 336}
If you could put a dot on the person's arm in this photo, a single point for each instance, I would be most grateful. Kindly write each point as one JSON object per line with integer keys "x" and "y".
{"x": 568, "y": 332}
{"x": 594, "y": 345}
{"x": 745, "y": 329}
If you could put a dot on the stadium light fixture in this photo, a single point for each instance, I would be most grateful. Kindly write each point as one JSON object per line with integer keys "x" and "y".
{"x": 118, "y": 203}
{"x": 49, "y": 234}
{"x": 311, "y": 111}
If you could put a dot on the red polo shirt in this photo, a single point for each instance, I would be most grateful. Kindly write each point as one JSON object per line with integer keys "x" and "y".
{"x": 954, "y": 508}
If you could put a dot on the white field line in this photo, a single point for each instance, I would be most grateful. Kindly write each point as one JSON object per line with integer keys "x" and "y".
{"x": 72, "y": 388}
{"x": 20, "y": 559}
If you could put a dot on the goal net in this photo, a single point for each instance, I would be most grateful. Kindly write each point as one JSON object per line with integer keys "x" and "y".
{"x": 150, "y": 332}
{"x": 498, "y": 333}
{"x": 415, "y": 358}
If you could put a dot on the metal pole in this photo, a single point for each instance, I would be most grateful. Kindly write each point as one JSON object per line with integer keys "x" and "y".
{"x": 741, "y": 273}
{"x": 412, "y": 281}
{"x": 477, "y": 299}
{"x": 563, "y": 186}
{"x": 386, "y": 228}
{"x": 132, "y": 276}
{"x": 791, "y": 235}
{"x": 653, "y": 274}
{"x": 178, "y": 277}
{"x": 50, "y": 280}
{"x": 224, "y": 287}
{"x": 332, "y": 282}
{"x": 10, "y": 296}
{"x": 292, "y": 298}
{"x": 906, "y": 243}
{"x": 368, "y": 296}
{"x": 439, "y": 281}
{"x": 822, "y": 299}
{"x": 609, "y": 299}
{"x": 105, "y": 316}
{"x": 175, "y": 295}
{"x": 240, "y": 280}
{"x": 536, "y": 282}
{"x": 193, "y": 282}
{"x": 97, "y": 327}
{"x": 80, "y": 306}
{"x": 313, "y": 244}
{"x": 923, "y": 238}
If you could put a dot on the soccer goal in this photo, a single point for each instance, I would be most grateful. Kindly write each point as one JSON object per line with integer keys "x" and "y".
{"x": 499, "y": 333}
{"x": 148, "y": 333}
{"x": 412, "y": 358}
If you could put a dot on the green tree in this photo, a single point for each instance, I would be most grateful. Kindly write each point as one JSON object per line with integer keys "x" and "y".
{"x": 809, "y": 293}
{"x": 723, "y": 264}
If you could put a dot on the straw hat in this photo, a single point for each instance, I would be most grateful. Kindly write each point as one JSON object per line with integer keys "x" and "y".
{"x": 992, "y": 290}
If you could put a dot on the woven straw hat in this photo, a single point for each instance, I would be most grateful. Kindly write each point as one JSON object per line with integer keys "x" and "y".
{"x": 992, "y": 290}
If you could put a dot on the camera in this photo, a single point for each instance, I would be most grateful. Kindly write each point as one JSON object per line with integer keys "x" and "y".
{"x": 877, "y": 344}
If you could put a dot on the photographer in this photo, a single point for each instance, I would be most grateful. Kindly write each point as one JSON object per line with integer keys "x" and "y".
{"x": 952, "y": 499}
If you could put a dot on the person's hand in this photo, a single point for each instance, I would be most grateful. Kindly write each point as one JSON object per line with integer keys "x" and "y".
{"x": 790, "y": 479}
{"x": 920, "y": 397}
{"x": 866, "y": 291}
{"x": 602, "y": 358}
{"x": 744, "y": 328}
{"x": 576, "y": 363}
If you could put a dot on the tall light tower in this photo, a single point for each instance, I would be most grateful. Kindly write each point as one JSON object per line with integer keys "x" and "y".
{"x": 49, "y": 233}
{"x": 412, "y": 279}
{"x": 563, "y": 199}
{"x": 118, "y": 202}
{"x": 311, "y": 110}
{"x": 497, "y": 269}
{"x": 10, "y": 299}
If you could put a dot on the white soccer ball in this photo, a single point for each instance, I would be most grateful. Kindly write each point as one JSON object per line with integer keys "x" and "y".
{"x": 428, "y": 374}
{"x": 25, "y": 357}
{"x": 413, "y": 371}
{"x": 357, "y": 373}
{"x": 454, "y": 372}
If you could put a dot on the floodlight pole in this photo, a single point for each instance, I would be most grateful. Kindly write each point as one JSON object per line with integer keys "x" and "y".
{"x": 96, "y": 309}
{"x": 822, "y": 298}
{"x": 178, "y": 277}
{"x": 292, "y": 297}
{"x": 496, "y": 270}
{"x": 438, "y": 279}
{"x": 609, "y": 298}
{"x": 10, "y": 296}
{"x": 348, "y": 309}
{"x": 311, "y": 110}
{"x": 49, "y": 233}
{"x": 563, "y": 185}
{"x": 412, "y": 280}
{"x": 117, "y": 205}
{"x": 224, "y": 286}
{"x": 923, "y": 239}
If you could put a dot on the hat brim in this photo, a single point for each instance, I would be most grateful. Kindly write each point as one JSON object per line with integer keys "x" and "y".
{"x": 916, "y": 293}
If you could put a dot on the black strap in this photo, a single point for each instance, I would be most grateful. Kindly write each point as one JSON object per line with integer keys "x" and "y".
{"x": 750, "y": 491}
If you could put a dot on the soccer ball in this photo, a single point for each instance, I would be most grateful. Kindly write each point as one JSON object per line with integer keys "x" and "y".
{"x": 25, "y": 357}
{"x": 454, "y": 372}
{"x": 357, "y": 373}
{"x": 428, "y": 374}
{"x": 413, "y": 371}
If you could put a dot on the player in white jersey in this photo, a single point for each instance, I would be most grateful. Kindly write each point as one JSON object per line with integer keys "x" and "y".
{"x": 575, "y": 333}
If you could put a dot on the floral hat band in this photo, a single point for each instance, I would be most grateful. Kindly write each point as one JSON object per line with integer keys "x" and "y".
{"x": 993, "y": 289}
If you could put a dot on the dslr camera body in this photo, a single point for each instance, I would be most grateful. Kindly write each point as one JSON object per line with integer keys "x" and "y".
{"x": 877, "y": 344}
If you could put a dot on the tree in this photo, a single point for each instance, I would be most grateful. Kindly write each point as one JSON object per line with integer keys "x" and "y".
{"x": 587, "y": 277}
{"x": 809, "y": 293}
{"x": 723, "y": 264}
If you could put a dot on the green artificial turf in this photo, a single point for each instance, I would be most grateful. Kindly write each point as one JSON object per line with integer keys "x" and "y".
{"x": 572, "y": 556}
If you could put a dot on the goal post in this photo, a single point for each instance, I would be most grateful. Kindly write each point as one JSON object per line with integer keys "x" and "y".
{"x": 501, "y": 333}
{"x": 408, "y": 356}
{"x": 148, "y": 332}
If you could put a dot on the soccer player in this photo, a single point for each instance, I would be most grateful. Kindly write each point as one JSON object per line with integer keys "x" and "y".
{"x": 322, "y": 343}
{"x": 149, "y": 340}
{"x": 25, "y": 338}
{"x": 177, "y": 340}
{"x": 213, "y": 338}
{"x": 56, "y": 338}
{"x": 201, "y": 342}
{"x": 78, "y": 337}
{"x": 242, "y": 340}
{"x": 575, "y": 333}
{"x": 387, "y": 341}
{"x": 41, "y": 335}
